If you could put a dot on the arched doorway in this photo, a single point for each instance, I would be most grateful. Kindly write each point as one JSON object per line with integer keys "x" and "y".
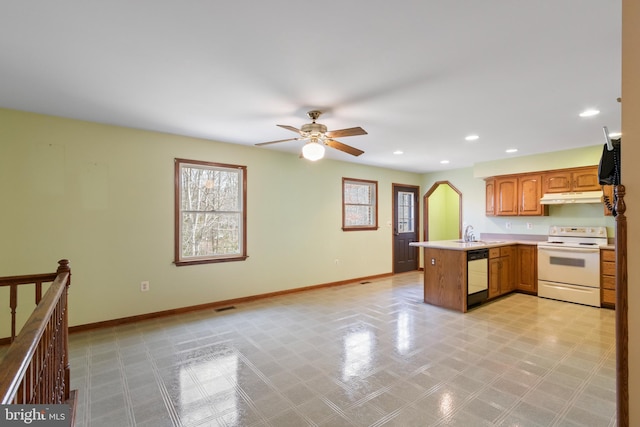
{"x": 442, "y": 212}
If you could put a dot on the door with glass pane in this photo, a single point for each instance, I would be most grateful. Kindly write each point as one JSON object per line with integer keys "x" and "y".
{"x": 405, "y": 228}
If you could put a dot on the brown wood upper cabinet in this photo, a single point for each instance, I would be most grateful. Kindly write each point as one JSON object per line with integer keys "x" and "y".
{"x": 520, "y": 194}
{"x": 529, "y": 194}
{"x": 506, "y": 196}
{"x": 490, "y": 194}
{"x": 514, "y": 195}
{"x": 575, "y": 179}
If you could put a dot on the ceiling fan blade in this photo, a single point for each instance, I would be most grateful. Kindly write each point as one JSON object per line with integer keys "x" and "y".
{"x": 343, "y": 147}
{"x": 291, "y": 128}
{"x": 346, "y": 132}
{"x": 280, "y": 140}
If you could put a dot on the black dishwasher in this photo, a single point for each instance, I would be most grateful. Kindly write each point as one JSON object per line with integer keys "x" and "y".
{"x": 477, "y": 276}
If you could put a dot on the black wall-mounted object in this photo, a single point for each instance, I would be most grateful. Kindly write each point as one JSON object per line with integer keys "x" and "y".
{"x": 609, "y": 167}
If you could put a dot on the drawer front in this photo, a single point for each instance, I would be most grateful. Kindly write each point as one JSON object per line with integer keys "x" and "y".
{"x": 494, "y": 252}
{"x": 608, "y": 268}
{"x": 608, "y": 255}
{"x": 608, "y": 296}
{"x": 608, "y": 282}
{"x": 506, "y": 250}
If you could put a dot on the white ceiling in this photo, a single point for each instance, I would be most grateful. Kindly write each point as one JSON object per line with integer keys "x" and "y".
{"x": 419, "y": 76}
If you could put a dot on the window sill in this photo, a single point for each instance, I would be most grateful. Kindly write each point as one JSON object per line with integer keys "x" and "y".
{"x": 359, "y": 228}
{"x": 209, "y": 261}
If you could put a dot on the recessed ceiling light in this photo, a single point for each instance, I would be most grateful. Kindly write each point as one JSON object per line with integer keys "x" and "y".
{"x": 511, "y": 150}
{"x": 589, "y": 113}
{"x": 398, "y": 152}
{"x": 471, "y": 137}
{"x": 444, "y": 162}
{"x": 614, "y": 134}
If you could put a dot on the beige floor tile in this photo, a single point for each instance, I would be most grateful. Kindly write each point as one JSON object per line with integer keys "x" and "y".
{"x": 354, "y": 355}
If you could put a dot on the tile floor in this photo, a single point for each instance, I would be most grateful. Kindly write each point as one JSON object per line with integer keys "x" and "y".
{"x": 357, "y": 355}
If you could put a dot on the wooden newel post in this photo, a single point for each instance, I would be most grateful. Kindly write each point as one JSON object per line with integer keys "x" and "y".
{"x": 622, "y": 307}
{"x": 63, "y": 267}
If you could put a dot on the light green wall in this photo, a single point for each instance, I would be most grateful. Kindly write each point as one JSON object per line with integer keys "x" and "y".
{"x": 585, "y": 156}
{"x": 453, "y": 213}
{"x": 102, "y": 196}
{"x": 444, "y": 214}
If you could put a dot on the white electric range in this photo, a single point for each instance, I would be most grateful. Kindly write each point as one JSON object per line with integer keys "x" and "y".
{"x": 569, "y": 264}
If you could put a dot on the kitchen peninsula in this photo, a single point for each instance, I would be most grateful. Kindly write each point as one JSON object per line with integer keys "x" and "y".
{"x": 446, "y": 270}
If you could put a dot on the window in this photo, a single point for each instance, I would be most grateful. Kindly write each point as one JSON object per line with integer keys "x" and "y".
{"x": 359, "y": 204}
{"x": 210, "y": 203}
{"x": 406, "y": 212}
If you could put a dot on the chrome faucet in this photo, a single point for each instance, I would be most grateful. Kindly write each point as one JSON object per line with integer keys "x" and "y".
{"x": 468, "y": 234}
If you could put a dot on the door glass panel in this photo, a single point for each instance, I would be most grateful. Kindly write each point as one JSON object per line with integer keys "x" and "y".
{"x": 406, "y": 204}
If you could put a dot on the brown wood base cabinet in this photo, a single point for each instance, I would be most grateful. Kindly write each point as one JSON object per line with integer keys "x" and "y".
{"x": 501, "y": 270}
{"x": 445, "y": 278}
{"x": 527, "y": 269}
{"x": 608, "y": 278}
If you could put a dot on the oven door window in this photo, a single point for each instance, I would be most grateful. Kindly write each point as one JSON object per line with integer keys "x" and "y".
{"x": 579, "y": 267}
{"x": 568, "y": 262}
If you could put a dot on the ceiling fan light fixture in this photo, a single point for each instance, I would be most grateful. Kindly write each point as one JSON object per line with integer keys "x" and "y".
{"x": 313, "y": 151}
{"x": 318, "y": 137}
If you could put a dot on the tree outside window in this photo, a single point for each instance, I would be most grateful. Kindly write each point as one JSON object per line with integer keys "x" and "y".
{"x": 359, "y": 204}
{"x": 210, "y": 206}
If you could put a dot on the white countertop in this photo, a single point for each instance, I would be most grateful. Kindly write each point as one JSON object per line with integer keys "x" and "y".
{"x": 458, "y": 245}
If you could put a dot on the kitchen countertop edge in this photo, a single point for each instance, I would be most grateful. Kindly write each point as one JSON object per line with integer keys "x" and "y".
{"x": 460, "y": 246}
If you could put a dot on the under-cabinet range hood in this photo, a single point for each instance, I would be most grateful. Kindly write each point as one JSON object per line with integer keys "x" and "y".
{"x": 567, "y": 198}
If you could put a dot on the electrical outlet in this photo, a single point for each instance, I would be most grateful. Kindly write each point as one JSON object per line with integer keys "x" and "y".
{"x": 433, "y": 261}
{"x": 144, "y": 286}
{"x": 508, "y": 225}
{"x": 529, "y": 226}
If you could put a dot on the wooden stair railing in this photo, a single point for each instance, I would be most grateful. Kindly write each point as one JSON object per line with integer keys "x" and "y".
{"x": 12, "y": 282}
{"x": 35, "y": 368}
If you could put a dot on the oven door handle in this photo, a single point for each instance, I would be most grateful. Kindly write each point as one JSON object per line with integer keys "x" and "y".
{"x": 574, "y": 250}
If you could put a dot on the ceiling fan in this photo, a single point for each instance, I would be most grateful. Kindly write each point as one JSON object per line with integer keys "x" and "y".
{"x": 318, "y": 136}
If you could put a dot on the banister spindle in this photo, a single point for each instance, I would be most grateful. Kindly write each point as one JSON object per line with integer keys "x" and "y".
{"x": 38, "y": 292}
{"x": 13, "y": 304}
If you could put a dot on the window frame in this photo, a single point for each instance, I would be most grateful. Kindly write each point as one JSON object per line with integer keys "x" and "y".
{"x": 179, "y": 259}
{"x": 374, "y": 225}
